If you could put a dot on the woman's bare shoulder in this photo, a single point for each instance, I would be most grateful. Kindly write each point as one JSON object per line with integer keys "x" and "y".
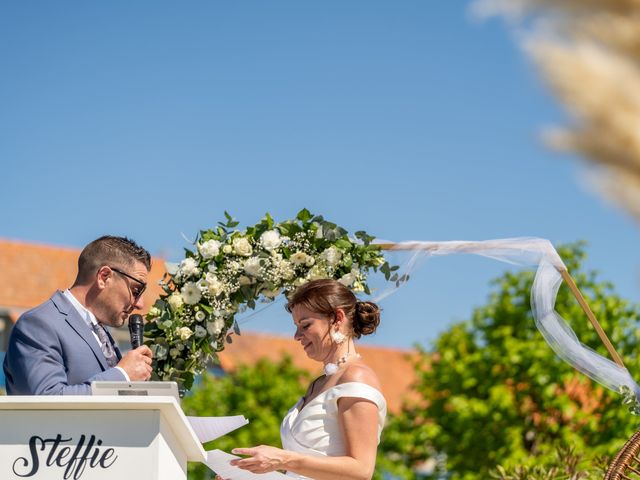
{"x": 360, "y": 373}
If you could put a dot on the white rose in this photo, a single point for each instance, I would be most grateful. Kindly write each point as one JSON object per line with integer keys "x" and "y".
{"x": 188, "y": 267}
{"x": 271, "y": 293}
{"x": 347, "y": 279}
{"x": 332, "y": 256}
{"x": 270, "y": 240}
{"x": 190, "y": 293}
{"x": 215, "y": 328}
{"x": 316, "y": 273}
{"x": 227, "y": 249}
{"x": 209, "y": 249}
{"x": 299, "y": 258}
{"x": 154, "y": 312}
{"x": 242, "y": 247}
{"x": 184, "y": 333}
{"x": 200, "y": 315}
{"x": 214, "y": 286}
{"x": 252, "y": 267}
{"x": 175, "y": 301}
{"x": 310, "y": 261}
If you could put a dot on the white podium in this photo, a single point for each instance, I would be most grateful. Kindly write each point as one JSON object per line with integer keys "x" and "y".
{"x": 95, "y": 437}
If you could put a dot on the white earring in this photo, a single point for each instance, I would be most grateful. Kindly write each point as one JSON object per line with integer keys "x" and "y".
{"x": 338, "y": 337}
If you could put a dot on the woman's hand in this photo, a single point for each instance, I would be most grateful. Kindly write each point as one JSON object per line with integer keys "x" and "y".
{"x": 262, "y": 459}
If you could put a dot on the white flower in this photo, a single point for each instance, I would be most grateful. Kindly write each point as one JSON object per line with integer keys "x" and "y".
{"x": 270, "y": 240}
{"x": 332, "y": 256}
{"x": 310, "y": 261}
{"x": 316, "y": 273}
{"x": 200, "y": 332}
{"x": 242, "y": 247}
{"x": 299, "y": 258}
{"x": 175, "y": 301}
{"x": 174, "y": 352}
{"x": 252, "y": 267}
{"x": 171, "y": 268}
{"x": 190, "y": 293}
{"x": 358, "y": 287}
{"x": 209, "y": 249}
{"x": 154, "y": 312}
{"x": 188, "y": 267}
{"x": 271, "y": 293}
{"x": 347, "y": 279}
{"x": 184, "y": 333}
{"x": 215, "y": 328}
{"x": 214, "y": 286}
{"x": 212, "y": 267}
{"x": 227, "y": 249}
{"x": 200, "y": 315}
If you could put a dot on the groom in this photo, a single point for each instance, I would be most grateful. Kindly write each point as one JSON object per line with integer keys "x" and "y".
{"x": 62, "y": 345}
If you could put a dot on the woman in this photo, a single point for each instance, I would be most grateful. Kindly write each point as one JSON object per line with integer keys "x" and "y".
{"x": 334, "y": 430}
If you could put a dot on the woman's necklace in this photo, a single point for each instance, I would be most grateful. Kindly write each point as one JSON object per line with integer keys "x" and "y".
{"x": 331, "y": 368}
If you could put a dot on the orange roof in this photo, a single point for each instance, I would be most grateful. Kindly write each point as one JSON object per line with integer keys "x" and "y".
{"x": 393, "y": 366}
{"x": 30, "y": 273}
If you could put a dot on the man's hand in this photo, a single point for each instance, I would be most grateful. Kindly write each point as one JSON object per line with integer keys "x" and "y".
{"x": 137, "y": 363}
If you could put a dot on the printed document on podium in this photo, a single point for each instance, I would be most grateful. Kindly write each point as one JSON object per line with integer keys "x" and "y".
{"x": 210, "y": 428}
{"x": 218, "y": 461}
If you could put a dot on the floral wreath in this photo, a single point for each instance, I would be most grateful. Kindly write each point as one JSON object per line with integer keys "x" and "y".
{"x": 229, "y": 270}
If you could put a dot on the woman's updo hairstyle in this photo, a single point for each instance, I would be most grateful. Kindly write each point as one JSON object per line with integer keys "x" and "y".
{"x": 327, "y": 296}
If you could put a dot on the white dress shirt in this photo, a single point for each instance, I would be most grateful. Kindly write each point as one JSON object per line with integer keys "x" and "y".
{"x": 90, "y": 320}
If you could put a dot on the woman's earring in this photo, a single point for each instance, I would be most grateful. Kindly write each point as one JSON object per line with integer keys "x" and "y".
{"x": 338, "y": 337}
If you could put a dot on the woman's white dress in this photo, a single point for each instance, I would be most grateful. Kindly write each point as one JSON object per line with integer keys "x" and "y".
{"x": 314, "y": 430}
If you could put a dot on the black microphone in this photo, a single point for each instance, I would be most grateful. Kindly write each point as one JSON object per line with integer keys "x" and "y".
{"x": 136, "y": 327}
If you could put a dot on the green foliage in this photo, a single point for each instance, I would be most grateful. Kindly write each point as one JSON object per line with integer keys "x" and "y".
{"x": 231, "y": 270}
{"x": 493, "y": 392}
{"x": 567, "y": 465}
{"x": 263, "y": 393}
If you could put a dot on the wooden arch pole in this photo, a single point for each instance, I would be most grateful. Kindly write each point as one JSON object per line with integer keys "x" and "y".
{"x": 576, "y": 293}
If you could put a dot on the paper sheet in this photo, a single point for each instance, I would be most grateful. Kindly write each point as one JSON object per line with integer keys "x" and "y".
{"x": 218, "y": 461}
{"x": 210, "y": 428}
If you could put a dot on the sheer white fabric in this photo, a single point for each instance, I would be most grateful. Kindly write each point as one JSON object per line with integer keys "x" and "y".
{"x": 555, "y": 330}
{"x": 315, "y": 430}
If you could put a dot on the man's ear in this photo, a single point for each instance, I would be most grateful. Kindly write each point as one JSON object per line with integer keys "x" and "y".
{"x": 102, "y": 276}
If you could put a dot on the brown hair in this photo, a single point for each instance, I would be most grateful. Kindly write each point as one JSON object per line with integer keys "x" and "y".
{"x": 110, "y": 250}
{"x": 327, "y": 296}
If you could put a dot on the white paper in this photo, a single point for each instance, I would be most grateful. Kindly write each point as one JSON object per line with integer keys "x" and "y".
{"x": 218, "y": 461}
{"x": 210, "y": 428}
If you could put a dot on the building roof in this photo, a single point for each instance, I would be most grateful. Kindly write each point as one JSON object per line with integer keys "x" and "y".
{"x": 393, "y": 366}
{"x": 30, "y": 273}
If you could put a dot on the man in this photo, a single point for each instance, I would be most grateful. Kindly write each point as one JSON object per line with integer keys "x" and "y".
{"x": 61, "y": 346}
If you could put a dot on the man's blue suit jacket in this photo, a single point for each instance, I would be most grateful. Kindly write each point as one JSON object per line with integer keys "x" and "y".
{"x": 52, "y": 351}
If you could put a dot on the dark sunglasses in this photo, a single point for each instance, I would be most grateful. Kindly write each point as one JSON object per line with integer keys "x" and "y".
{"x": 143, "y": 286}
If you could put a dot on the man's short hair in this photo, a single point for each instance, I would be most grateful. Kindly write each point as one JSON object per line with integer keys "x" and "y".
{"x": 112, "y": 251}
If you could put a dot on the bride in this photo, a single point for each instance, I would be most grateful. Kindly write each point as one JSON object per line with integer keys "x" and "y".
{"x": 334, "y": 430}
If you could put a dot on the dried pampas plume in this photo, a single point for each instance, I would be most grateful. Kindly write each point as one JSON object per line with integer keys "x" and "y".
{"x": 588, "y": 52}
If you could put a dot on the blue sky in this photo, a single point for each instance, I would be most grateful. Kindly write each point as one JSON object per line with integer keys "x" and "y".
{"x": 409, "y": 119}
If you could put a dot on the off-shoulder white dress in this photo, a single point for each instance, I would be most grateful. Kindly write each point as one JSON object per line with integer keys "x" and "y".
{"x": 314, "y": 430}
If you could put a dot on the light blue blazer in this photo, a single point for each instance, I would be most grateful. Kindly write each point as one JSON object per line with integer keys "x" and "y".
{"x": 52, "y": 351}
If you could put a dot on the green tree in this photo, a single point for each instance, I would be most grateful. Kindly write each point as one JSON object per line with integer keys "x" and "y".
{"x": 492, "y": 392}
{"x": 263, "y": 393}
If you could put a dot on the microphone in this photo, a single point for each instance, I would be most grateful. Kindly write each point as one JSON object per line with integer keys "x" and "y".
{"x": 136, "y": 327}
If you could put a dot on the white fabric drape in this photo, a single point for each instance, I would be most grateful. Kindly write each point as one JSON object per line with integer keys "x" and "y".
{"x": 555, "y": 330}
